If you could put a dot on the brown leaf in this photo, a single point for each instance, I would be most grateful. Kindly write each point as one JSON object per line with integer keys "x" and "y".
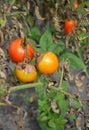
{"x": 37, "y": 13}
{"x": 79, "y": 82}
{"x": 54, "y": 107}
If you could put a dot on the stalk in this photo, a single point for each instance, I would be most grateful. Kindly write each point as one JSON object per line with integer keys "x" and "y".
{"x": 25, "y": 86}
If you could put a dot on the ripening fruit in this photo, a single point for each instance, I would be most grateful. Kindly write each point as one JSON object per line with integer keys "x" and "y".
{"x": 47, "y": 63}
{"x": 69, "y": 26}
{"x": 26, "y": 73}
{"x": 18, "y": 52}
{"x": 76, "y": 4}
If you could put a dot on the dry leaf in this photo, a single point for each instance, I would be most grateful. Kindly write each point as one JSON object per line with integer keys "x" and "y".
{"x": 78, "y": 123}
{"x": 54, "y": 107}
{"x": 56, "y": 23}
{"x": 37, "y": 13}
{"x": 79, "y": 78}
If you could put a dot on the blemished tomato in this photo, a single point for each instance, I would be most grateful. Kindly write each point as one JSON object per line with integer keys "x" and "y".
{"x": 27, "y": 73}
{"x": 47, "y": 63}
{"x": 17, "y": 51}
{"x": 69, "y": 26}
{"x": 76, "y": 4}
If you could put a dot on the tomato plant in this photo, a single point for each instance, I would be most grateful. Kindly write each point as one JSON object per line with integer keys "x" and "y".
{"x": 18, "y": 52}
{"x": 69, "y": 26}
{"x": 76, "y": 4}
{"x": 25, "y": 73}
{"x": 47, "y": 63}
{"x": 58, "y": 100}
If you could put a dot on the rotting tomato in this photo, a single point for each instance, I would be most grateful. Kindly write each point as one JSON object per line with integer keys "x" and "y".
{"x": 47, "y": 63}
{"x": 69, "y": 26}
{"x": 76, "y": 4}
{"x": 25, "y": 73}
{"x": 18, "y": 51}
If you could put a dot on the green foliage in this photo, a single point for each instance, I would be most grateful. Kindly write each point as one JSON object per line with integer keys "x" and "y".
{"x": 75, "y": 103}
{"x": 2, "y": 21}
{"x": 72, "y": 117}
{"x": 75, "y": 62}
{"x": 35, "y": 33}
{"x": 46, "y": 41}
{"x": 2, "y": 92}
{"x": 47, "y": 116}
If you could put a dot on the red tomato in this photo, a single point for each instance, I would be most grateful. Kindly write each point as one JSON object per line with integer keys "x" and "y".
{"x": 17, "y": 50}
{"x": 69, "y": 26}
{"x": 76, "y": 4}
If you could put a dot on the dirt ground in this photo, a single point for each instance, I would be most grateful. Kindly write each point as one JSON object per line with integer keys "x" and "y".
{"x": 10, "y": 120}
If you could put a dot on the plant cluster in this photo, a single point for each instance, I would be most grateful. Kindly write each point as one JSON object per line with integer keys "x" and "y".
{"x": 55, "y": 42}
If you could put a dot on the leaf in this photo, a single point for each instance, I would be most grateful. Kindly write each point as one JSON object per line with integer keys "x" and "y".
{"x": 62, "y": 103}
{"x": 46, "y": 41}
{"x": 60, "y": 122}
{"x": 75, "y": 103}
{"x": 72, "y": 117}
{"x": 35, "y": 33}
{"x": 75, "y": 62}
{"x": 51, "y": 123}
{"x": 2, "y": 21}
{"x": 41, "y": 92}
{"x": 55, "y": 48}
{"x": 2, "y": 92}
{"x": 37, "y": 13}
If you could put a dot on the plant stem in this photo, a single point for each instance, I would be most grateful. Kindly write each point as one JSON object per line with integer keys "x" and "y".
{"x": 61, "y": 79}
{"x": 67, "y": 94}
{"x": 25, "y": 86}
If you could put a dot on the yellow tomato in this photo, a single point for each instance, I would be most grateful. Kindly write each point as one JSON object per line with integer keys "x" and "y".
{"x": 26, "y": 74}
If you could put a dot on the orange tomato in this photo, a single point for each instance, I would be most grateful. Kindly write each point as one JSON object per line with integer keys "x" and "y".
{"x": 26, "y": 73}
{"x": 47, "y": 63}
{"x": 69, "y": 26}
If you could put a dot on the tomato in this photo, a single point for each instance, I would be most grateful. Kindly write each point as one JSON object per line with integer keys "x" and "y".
{"x": 26, "y": 73}
{"x": 69, "y": 26}
{"x": 47, "y": 63}
{"x": 76, "y": 4}
{"x": 17, "y": 50}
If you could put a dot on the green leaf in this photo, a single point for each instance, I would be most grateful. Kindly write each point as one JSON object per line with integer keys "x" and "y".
{"x": 75, "y": 103}
{"x": 75, "y": 62}
{"x": 64, "y": 85}
{"x": 2, "y": 92}
{"x": 30, "y": 20}
{"x": 51, "y": 123}
{"x": 62, "y": 103}
{"x": 46, "y": 41}
{"x": 35, "y": 33}
{"x": 55, "y": 48}
{"x": 2, "y": 21}
{"x": 72, "y": 117}
{"x": 41, "y": 92}
{"x": 60, "y": 122}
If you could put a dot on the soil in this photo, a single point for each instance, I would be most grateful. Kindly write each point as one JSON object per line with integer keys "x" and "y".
{"x": 11, "y": 120}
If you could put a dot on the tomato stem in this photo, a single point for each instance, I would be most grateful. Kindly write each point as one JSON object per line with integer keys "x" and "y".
{"x": 25, "y": 86}
{"x": 67, "y": 94}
